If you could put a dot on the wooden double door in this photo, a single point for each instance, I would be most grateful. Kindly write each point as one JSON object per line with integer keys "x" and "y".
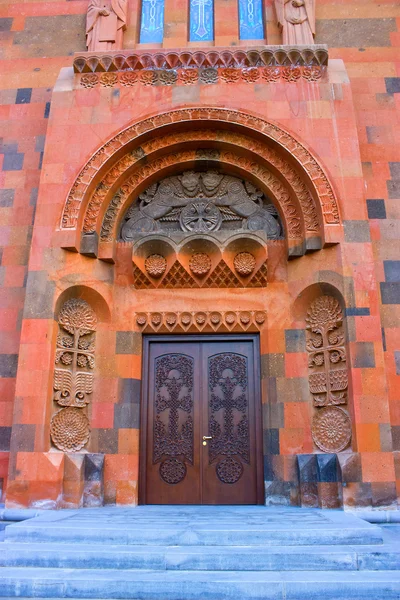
{"x": 201, "y": 432}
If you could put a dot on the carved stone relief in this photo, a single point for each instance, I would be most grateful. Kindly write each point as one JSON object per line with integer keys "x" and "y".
{"x": 206, "y": 321}
{"x": 105, "y": 24}
{"x": 73, "y": 375}
{"x": 322, "y": 186}
{"x": 201, "y": 202}
{"x": 328, "y": 377}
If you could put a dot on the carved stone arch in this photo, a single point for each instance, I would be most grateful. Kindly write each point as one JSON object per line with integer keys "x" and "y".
{"x": 259, "y": 141}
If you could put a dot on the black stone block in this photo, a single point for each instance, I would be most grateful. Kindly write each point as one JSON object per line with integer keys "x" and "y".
{"x": 5, "y": 438}
{"x": 308, "y": 469}
{"x": 23, "y": 96}
{"x": 327, "y": 468}
{"x": 8, "y": 365}
{"x": 390, "y": 292}
{"x": 94, "y": 467}
{"x": 392, "y": 270}
{"x": 364, "y": 355}
{"x": 392, "y": 85}
{"x": 295, "y": 340}
{"x": 376, "y": 209}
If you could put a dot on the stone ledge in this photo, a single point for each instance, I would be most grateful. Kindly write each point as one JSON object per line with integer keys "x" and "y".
{"x": 139, "y": 60}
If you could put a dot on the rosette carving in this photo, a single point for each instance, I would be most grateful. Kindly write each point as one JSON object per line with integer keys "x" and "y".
{"x": 69, "y": 429}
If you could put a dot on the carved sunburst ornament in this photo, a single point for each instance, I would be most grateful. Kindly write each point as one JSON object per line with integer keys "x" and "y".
{"x": 77, "y": 316}
{"x": 325, "y": 313}
{"x": 331, "y": 429}
{"x": 69, "y": 429}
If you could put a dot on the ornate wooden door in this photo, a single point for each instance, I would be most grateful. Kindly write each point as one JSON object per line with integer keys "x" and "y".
{"x": 201, "y": 421}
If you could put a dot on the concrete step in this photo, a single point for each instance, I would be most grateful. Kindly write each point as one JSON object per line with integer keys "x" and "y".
{"x": 197, "y": 585}
{"x": 195, "y": 558}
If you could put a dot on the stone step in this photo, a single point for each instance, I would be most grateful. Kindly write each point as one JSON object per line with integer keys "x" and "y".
{"x": 195, "y": 558}
{"x": 239, "y": 527}
{"x": 197, "y": 585}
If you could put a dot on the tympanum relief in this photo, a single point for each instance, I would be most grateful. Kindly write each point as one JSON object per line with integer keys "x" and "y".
{"x": 201, "y": 203}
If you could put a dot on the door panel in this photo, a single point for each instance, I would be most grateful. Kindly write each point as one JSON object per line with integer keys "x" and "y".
{"x": 195, "y": 387}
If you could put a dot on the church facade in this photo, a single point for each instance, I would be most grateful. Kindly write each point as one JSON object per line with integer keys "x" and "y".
{"x": 201, "y": 273}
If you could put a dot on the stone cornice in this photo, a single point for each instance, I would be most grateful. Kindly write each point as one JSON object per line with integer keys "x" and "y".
{"x": 236, "y": 58}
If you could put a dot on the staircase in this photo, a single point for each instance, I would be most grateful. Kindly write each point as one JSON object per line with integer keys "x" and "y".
{"x": 199, "y": 552}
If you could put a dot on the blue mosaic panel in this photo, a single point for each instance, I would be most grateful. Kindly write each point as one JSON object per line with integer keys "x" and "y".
{"x": 201, "y": 20}
{"x": 251, "y": 20}
{"x": 152, "y": 25}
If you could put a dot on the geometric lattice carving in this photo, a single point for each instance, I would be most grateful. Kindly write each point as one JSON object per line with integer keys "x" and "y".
{"x": 73, "y": 375}
{"x": 220, "y": 277}
{"x": 328, "y": 378}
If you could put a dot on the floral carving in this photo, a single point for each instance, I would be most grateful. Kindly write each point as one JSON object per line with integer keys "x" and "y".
{"x": 230, "y": 75}
{"x": 244, "y": 263}
{"x": 155, "y": 265}
{"x": 189, "y": 76}
{"x": 331, "y": 429}
{"x": 250, "y": 75}
{"x": 209, "y": 75}
{"x": 271, "y": 74}
{"x": 312, "y": 73}
{"x": 128, "y": 79}
{"x": 148, "y": 77}
{"x": 291, "y": 74}
{"x": 108, "y": 79}
{"x": 200, "y": 264}
{"x": 89, "y": 80}
{"x": 69, "y": 429}
{"x": 75, "y": 361}
{"x": 168, "y": 77}
{"x": 200, "y": 321}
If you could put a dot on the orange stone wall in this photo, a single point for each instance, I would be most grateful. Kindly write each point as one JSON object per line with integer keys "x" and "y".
{"x": 348, "y": 120}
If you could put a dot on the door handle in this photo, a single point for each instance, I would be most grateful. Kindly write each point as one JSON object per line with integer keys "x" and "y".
{"x": 207, "y": 437}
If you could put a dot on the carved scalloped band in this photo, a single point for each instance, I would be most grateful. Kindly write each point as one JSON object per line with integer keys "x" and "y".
{"x": 205, "y": 76}
{"x": 268, "y": 56}
{"x": 207, "y": 321}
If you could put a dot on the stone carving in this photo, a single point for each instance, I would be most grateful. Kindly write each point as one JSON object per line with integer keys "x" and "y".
{"x": 220, "y": 277}
{"x": 327, "y": 353}
{"x": 155, "y": 265}
{"x": 207, "y": 321}
{"x": 201, "y": 202}
{"x": 331, "y": 429}
{"x": 268, "y": 56}
{"x": 328, "y": 380}
{"x": 73, "y": 375}
{"x": 200, "y": 264}
{"x": 228, "y": 415}
{"x": 244, "y": 263}
{"x": 173, "y": 424}
{"x": 319, "y": 180}
{"x": 69, "y": 429}
{"x": 105, "y": 24}
{"x": 297, "y": 21}
{"x": 203, "y": 76}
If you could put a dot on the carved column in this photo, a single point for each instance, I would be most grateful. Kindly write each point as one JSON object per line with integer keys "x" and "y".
{"x": 73, "y": 375}
{"x": 328, "y": 379}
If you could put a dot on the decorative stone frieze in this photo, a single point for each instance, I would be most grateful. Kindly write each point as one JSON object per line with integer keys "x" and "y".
{"x": 223, "y": 58}
{"x": 206, "y": 321}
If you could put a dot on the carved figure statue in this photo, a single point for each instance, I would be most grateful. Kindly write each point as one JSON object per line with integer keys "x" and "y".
{"x": 297, "y": 20}
{"x": 105, "y": 24}
{"x": 201, "y": 202}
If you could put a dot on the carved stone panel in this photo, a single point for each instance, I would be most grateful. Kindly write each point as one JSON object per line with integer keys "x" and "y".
{"x": 328, "y": 378}
{"x": 201, "y": 202}
{"x": 206, "y": 321}
{"x": 73, "y": 375}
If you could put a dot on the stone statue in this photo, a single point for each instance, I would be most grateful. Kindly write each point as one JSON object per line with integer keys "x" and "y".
{"x": 105, "y": 24}
{"x": 297, "y": 20}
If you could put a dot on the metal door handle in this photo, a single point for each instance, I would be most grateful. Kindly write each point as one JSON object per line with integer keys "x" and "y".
{"x": 207, "y": 437}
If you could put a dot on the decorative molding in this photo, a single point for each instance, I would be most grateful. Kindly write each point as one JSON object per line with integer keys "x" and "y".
{"x": 298, "y": 186}
{"x": 207, "y": 76}
{"x": 328, "y": 379}
{"x": 73, "y": 375}
{"x": 223, "y": 58}
{"x": 220, "y": 277}
{"x": 206, "y": 321}
{"x": 306, "y": 161}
